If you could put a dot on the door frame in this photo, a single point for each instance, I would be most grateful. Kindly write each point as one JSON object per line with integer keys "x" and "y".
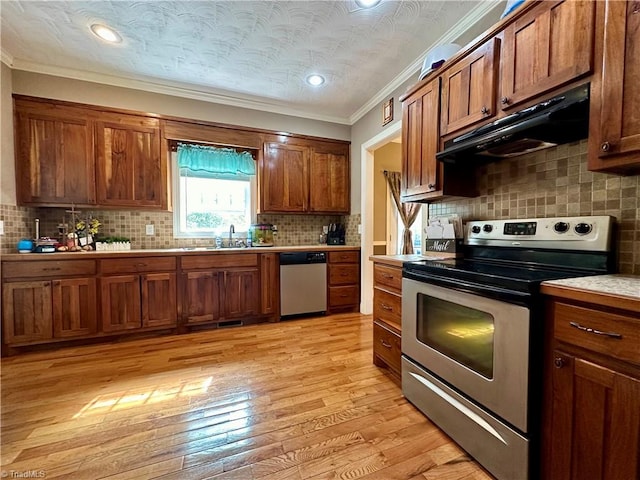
{"x": 366, "y": 209}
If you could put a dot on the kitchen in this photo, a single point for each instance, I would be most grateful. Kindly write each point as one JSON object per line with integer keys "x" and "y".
{"x": 539, "y": 191}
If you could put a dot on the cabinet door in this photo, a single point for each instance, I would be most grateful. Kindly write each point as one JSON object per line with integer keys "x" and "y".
{"x": 202, "y": 297}
{"x": 26, "y": 312}
{"x": 614, "y": 138}
{"x": 269, "y": 283}
{"x": 120, "y": 302}
{"x": 74, "y": 307}
{"x": 420, "y": 142}
{"x": 241, "y": 292}
{"x": 549, "y": 46}
{"x": 329, "y": 181}
{"x": 284, "y": 178}
{"x": 159, "y": 299}
{"x": 469, "y": 88}
{"x": 131, "y": 172}
{"x": 54, "y": 155}
{"x": 595, "y": 421}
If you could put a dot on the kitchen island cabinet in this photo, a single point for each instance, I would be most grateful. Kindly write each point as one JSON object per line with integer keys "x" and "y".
{"x": 591, "y": 415}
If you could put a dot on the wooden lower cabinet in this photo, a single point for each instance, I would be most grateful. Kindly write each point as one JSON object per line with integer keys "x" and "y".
{"x": 46, "y": 301}
{"x": 219, "y": 291}
{"x": 591, "y": 415}
{"x": 270, "y": 284}
{"x": 387, "y": 317}
{"x": 142, "y": 295}
{"x": 343, "y": 278}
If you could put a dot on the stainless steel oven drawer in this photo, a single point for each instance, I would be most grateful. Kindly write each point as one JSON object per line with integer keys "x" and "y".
{"x": 497, "y": 447}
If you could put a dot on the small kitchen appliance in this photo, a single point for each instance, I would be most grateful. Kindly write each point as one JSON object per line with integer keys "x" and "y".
{"x": 472, "y": 331}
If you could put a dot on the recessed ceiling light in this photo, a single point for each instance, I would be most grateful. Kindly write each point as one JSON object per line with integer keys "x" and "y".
{"x": 105, "y": 33}
{"x": 367, "y": 3}
{"x": 315, "y": 80}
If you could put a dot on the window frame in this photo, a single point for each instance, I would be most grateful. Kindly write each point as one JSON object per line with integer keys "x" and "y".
{"x": 177, "y": 207}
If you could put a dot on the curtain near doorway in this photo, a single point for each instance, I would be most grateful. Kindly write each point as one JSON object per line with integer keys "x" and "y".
{"x": 408, "y": 211}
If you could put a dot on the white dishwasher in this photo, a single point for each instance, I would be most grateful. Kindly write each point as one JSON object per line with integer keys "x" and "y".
{"x": 303, "y": 283}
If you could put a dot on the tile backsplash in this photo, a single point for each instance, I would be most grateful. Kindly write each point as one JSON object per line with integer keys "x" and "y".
{"x": 555, "y": 182}
{"x": 292, "y": 229}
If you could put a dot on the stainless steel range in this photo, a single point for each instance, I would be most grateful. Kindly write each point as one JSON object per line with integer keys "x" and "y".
{"x": 472, "y": 332}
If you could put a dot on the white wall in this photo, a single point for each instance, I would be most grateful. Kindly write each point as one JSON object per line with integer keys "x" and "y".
{"x": 7, "y": 164}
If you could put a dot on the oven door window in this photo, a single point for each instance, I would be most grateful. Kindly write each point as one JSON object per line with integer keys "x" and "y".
{"x": 461, "y": 333}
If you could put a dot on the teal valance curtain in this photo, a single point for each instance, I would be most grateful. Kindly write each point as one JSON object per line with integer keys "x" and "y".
{"x": 214, "y": 162}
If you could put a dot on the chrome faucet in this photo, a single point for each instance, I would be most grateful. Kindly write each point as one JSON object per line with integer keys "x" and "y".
{"x": 232, "y": 230}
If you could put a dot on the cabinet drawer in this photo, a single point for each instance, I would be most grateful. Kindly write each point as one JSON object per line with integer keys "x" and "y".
{"x": 387, "y": 277}
{"x": 344, "y": 257}
{"x": 48, "y": 268}
{"x": 195, "y": 262}
{"x": 347, "y": 295}
{"x": 387, "y": 345}
{"x": 137, "y": 265}
{"x": 344, "y": 274}
{"x": 387, "y": 307}
{"x": 570, "y": 321}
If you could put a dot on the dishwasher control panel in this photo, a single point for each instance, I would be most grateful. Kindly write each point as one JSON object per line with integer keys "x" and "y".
{"x": 302, "y": 258}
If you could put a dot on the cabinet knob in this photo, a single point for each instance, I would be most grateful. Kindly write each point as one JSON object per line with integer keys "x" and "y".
{"x": 504, "y": 100}
{"x": 431, "y": 186}
{"x": 484, "y": 110}
{"x": 605, "y": 147}
{"x": 558, "y": 362}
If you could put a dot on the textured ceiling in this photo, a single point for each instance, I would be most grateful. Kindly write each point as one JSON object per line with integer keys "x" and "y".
{"x": 249, "y": 51}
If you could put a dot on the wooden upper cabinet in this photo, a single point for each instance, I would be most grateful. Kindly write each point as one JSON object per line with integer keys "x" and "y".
{"x": 284, "y": 178}
{"x": 551, "y": 45}
{"x": 614, "y": 136}
{"x": 54, "y": 155}
{"x": 130, "y": 169}
{"x": 420, "y": 142}
{"x": 469, "y": 88}
{"x": 329, "y": 180}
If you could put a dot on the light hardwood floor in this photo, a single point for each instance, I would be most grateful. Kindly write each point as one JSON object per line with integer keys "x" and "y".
{"x": 292, "y": 400}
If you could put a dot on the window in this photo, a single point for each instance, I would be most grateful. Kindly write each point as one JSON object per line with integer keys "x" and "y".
{"x": 214, "y": 189}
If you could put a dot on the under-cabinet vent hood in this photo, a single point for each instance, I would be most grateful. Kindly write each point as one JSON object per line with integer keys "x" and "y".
{"x": 561, "y": 119}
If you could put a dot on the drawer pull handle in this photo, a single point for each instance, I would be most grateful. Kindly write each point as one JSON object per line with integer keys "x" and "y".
{"x": 386, "y": 275}
{"x": 595, "y": 332}
{"x": 385, "y": 344}
{"x": 386, "y": 307}
{"x": 344, "y": 295}
{"x": 141, "y": 264}
{"x": 344, "y": 274}
{"x": 51, "y": 269}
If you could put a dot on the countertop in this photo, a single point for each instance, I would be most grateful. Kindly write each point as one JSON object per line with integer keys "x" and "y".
{"x": 173, "y": 252}
{"x": 618, "y": 291}
{"x": 398, "y": 260}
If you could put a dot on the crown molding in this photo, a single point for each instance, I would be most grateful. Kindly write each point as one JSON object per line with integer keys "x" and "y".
{"x": 6, "y": 57}
{"x": 174, "y": 89}
{"x": 465, "y": 23}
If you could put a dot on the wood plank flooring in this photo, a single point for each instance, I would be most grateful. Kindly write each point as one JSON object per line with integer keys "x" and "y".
{"x": 286, "y": 401}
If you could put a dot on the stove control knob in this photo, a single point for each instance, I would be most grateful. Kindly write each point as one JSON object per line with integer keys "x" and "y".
{"x": 582, "y": 228}
{"x": 487, "y": 228}
{"x": 475, "y": 229}
{"x": 561, "y": 227}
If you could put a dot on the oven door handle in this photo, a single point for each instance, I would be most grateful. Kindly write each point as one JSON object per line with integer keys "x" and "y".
{"x": 522, "y": 298}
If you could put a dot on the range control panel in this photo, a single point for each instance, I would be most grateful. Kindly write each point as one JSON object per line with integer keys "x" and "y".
{"x": 570, "y": 233}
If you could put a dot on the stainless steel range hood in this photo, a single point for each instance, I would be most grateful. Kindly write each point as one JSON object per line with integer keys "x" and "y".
{"x": 561, "y": 119}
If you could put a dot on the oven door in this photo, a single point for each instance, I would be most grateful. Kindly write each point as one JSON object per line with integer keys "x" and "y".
{"x": 477, "y": 345}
